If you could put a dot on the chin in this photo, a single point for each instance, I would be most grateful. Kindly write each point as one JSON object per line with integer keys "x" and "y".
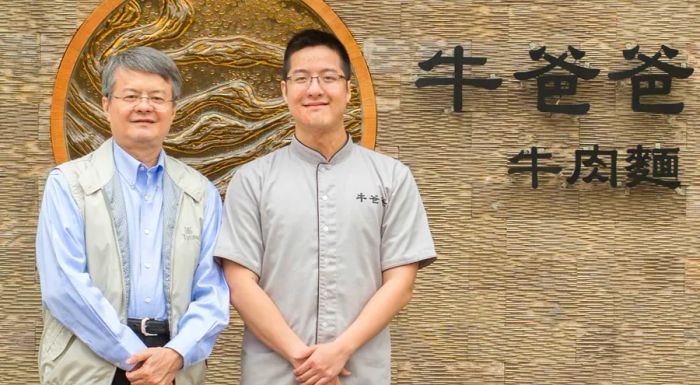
{"x": 317, "y": 126}
{"x": 143, "y": 126}
{"x": 144, "y": 138}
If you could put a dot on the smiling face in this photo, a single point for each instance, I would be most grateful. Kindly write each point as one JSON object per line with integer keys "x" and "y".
{"x": 317, "y": 106}
{"x": 141, "y": 126}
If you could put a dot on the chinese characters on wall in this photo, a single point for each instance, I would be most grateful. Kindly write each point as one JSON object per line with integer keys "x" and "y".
{"x": 458, "y": 61}
{"x": 657, "y": 166}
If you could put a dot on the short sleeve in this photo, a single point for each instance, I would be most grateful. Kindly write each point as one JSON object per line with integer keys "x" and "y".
{"x": 405, "y": 232}
{"x": 240, "y": 238}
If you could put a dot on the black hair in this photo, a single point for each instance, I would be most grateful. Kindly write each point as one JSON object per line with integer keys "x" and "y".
{"x": 313, "y": 38}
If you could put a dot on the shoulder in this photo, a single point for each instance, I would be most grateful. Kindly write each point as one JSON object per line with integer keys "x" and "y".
{"x": 175, "y": 166}
{"x": 73, "y": 173}
{"x": 63, "y": 186}
{"x": 93, "y": 170}
{"x": 384, "y": 164}
{"x": 74, "y": 166}
{"x": 249, "y": 178}
{"x": 56, "y": 183}
{"x": 259, "y": 167}
{"x": 186, "y": 177}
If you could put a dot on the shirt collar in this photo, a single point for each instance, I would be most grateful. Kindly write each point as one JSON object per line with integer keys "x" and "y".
{"x": 312, "y": 156}
{"x": 128, "y": 166}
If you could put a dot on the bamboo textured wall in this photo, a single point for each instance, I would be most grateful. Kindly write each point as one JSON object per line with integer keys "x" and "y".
{"x": 559, "y": 285}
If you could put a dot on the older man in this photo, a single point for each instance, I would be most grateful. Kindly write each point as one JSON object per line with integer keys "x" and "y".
{"x": 322, "y": 239}
{"x": 124, "y": 246}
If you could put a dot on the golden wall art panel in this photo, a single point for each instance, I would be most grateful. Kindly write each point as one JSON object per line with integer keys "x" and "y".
{"x": 230, "y": 55}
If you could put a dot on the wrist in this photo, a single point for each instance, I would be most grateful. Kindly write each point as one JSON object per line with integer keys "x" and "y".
{"x": 178, "y": 359}
{"x": 345, "y": 345}
{"x": 294, "y": 351}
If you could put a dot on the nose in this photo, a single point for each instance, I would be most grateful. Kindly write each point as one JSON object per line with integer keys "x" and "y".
{"x": 315, "y": 87}
{"x": 144, "y": 104}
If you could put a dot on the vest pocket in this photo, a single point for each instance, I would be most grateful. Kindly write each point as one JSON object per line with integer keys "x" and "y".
{"x": 56, "y": 340}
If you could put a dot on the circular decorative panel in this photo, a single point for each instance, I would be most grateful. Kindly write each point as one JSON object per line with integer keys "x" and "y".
{"x": 230, "y": 55}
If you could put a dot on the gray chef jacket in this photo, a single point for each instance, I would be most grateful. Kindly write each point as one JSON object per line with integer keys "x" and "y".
{"x": 319, "y": 234}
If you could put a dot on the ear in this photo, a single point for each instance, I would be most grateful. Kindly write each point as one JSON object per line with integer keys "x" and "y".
{"x": 105, "y": 107}
{"x": 348, "y": 94}
{"x": 174, "y": 109}
{"x": 283, "y": 88}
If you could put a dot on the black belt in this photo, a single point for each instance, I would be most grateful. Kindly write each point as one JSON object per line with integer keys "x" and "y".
{"x": 149, "y": 327}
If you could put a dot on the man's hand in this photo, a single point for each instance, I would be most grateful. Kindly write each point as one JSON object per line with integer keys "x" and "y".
{"x": 322, "y": 364}
{"x": 154, "y": 366}
{"x": 298, "y": 358}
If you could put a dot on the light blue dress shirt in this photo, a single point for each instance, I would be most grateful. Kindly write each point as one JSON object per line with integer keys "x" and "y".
{"x": 71, "y": 297}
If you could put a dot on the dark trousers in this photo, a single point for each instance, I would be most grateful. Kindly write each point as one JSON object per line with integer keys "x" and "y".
{"x": 151, "y": 342}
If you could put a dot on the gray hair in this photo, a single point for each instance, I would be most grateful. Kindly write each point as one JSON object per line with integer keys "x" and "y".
{"x": 144, "y": 59}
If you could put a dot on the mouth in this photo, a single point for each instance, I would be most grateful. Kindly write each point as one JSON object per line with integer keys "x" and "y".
{"x": 315, "y": 104}
{"x": 143, "y": 120}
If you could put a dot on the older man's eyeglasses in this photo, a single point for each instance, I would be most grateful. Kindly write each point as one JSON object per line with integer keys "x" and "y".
{"x": 157, "y": 102}
{"x": 324, "y": 79}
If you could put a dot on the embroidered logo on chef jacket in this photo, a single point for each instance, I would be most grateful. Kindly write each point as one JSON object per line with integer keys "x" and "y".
{"x": 375, "y": 199}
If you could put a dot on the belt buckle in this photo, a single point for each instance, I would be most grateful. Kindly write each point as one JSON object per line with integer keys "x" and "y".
{"x": 143, "y": 328}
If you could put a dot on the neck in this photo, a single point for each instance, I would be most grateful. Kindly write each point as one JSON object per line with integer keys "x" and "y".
{"x": 327, "y": 142}
{"x": 147, "y": 156}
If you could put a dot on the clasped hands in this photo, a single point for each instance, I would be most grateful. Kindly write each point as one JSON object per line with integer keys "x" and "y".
{"x": 315, "y": 365}
{"x": 321, "y": 364}
{"x": 154, "y": 366}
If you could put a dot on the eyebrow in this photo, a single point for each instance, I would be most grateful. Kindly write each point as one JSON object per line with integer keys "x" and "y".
{"x": 138, "y": 91}
{"x": 303, "y": 71}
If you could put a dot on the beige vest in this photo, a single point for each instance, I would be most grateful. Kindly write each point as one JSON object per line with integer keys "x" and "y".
{"x": 65, "y": 359}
